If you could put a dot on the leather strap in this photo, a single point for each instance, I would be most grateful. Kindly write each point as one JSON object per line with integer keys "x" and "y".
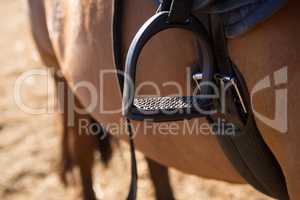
{"x": 246, "y": 150}
{"x": 180, "y": 11}
{"x": 119, "y": 64}
{"x": 117, "y": 27}
{"x": 165, "y": 5}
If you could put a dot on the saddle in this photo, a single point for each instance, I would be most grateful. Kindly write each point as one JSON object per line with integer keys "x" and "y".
{"x": 246, "y": 148}
{"x": 238, "y": 16}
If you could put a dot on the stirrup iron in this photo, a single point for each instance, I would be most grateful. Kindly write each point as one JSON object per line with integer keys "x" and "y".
{"x": 166, "y": 108}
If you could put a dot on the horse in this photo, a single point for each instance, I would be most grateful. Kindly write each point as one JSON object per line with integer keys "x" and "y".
{"x": 78, "y": 38}
{"x": 77, "y": 148}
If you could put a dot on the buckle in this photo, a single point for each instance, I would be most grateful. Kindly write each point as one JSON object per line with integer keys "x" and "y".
{"x": 225, "y": 80}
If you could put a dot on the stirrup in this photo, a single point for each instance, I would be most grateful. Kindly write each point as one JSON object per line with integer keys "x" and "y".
{"x": 166, "y": 108}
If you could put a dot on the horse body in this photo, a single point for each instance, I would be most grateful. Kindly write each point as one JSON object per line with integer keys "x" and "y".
{"x": 276, "y": 46}
{"x": 81, "y": 36}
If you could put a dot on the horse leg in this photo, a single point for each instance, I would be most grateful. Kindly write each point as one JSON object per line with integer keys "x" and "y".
{"x": 66, "y": 161}
{"x": 84, "y": 145}
{"x": 160, "y": 178}
{"x": 77, "y": 148}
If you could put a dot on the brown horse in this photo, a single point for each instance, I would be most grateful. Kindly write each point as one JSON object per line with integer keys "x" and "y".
{"x": 78, "y": 37}
{"x": 77, "y": 149}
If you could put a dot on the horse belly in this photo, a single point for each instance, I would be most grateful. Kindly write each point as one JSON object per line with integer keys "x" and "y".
{"x": 87, "y": 63}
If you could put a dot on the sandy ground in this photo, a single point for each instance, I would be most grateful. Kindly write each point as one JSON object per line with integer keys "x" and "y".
{"x": 29, "y": 144}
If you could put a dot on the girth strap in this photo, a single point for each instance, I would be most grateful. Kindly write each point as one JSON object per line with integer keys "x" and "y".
{"x": 246, "y": 150}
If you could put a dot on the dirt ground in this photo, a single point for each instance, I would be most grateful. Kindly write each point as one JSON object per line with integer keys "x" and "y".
{"x": 29, "y": 144}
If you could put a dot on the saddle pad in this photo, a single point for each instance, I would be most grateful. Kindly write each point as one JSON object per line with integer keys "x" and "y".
{"x": 239, "y": 16}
